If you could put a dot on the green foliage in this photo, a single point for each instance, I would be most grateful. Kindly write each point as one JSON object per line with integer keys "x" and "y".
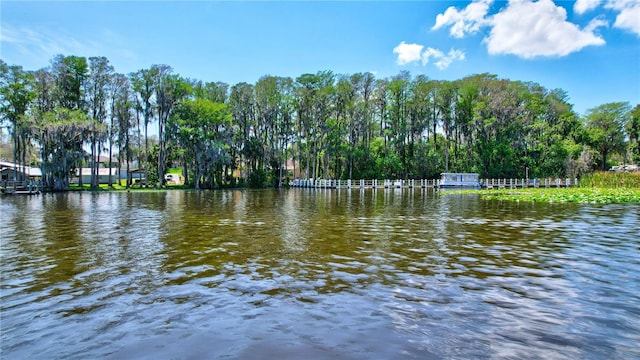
{"x": 365, "y": 165}
{"x": 334, "y": 126}
{"x": 60, "y": 134}
{"x": 152, "y": 172}
{"x": 70, "y": 73}
{"x": 201, "y": 128}
{"x": 552, "y": 159}
{"x": 16, "y": 94}
{"x": 429, "y": 163}
{"x": 605, "y": 128}
{"x": 633, "y": 129}
{"x": 390, "y": 166}
{"x": 257, "y": 179}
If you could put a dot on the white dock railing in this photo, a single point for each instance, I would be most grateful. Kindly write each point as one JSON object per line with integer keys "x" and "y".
{"x": 529, "y": 183}
{"x": 428, "y": 184}
{"x": 363, "y": 184}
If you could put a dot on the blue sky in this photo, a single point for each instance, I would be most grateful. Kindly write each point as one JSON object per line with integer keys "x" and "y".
{"x": 589, "y": 48}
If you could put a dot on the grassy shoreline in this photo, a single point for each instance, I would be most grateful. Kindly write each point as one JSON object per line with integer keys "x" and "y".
{"x": 564, "y": 195}
{"x": 595, "y": 188}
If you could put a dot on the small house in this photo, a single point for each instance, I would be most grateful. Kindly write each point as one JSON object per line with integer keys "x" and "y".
{"x": 103, "y": 175}
{"x": 448, "y": 180}
{"x": 12, "y": 172}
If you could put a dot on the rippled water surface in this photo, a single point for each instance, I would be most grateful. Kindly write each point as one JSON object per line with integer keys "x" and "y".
{"x": 384, "y": 274}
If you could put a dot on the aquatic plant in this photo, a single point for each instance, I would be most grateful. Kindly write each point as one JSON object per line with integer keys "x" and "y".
{"x": 566, "y": 195}
{"x": 611, "y": 180}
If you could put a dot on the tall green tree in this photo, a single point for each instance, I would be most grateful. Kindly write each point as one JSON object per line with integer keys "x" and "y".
{"x": 445, "y": 105}
{"x": 202, "y": 128}
{"x": 267, "y": 103}
{"x": 633, "y": 129}
{"x": 143, "y": 83}
{"x": 345, "y": 136}
{"x": 465, "y": 119}
{"x": 121, "y": 121}
{"x": 305, "y": 91}
{"x": 314, "y": 101}
{"x": 215, "y": 91}
{"x": 397, "y": 131}
{"x": 16, "y": 94}
{"x": 605, "y": 125}
{"x": 70, "y": 73}
{"x": 361, "y": 124}
{"x": 285, "y": 125}
{"x": 44, "y": 87}
{"x": 60, "y": 134}
{"x": 98, "y": 83}
{"x": 242, "y": 107}
{"x": 170, "y": 89}
{"x": 70, "y": 91}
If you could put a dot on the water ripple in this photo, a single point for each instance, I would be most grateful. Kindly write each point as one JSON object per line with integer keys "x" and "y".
{"x": 320, "y": 274}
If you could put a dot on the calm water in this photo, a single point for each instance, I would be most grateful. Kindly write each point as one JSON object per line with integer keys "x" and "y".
{"x": 383, "y": 274}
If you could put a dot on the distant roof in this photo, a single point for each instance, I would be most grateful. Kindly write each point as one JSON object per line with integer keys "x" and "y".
{"x": 30, "y": 171}
{"x": 101, "y": 171}
{"x": 105, "y": 159}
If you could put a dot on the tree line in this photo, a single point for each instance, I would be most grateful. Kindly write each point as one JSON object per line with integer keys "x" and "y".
{"x": 321, "y": 125}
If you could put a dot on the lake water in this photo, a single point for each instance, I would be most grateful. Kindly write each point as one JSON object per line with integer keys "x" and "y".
{"x": 316, "y": 274}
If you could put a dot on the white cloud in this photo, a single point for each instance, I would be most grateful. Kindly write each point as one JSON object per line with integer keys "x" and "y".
{"x": 582, "y": 6}
{"x": 408, "y": 52}
{"x": 467, "y": 21}
{"x": 442, "y": 61}
{"x": 431, "y": 53}
{"x": 30, "y": 42}
{"x": 629, "y": 15}
{"x": 596, "y": 23}
{"x": 532, "y": 29}
{"x": 35, "y": 44}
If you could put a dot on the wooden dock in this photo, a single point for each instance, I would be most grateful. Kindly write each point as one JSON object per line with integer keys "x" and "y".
{"x": 430, "y": 184}
{"x": 19, "y": 188}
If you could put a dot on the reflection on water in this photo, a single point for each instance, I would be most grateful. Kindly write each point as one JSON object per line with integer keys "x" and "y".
{"x": 320, "y": 274}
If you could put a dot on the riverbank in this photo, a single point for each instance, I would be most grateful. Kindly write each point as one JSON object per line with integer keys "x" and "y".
{"x": 595, "y": 188}
{"x": 116, "y": 187}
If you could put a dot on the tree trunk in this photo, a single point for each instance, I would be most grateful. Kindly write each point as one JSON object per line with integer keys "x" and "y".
{"x": 185, "y": 172}
{"x": 110, "y": 175}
